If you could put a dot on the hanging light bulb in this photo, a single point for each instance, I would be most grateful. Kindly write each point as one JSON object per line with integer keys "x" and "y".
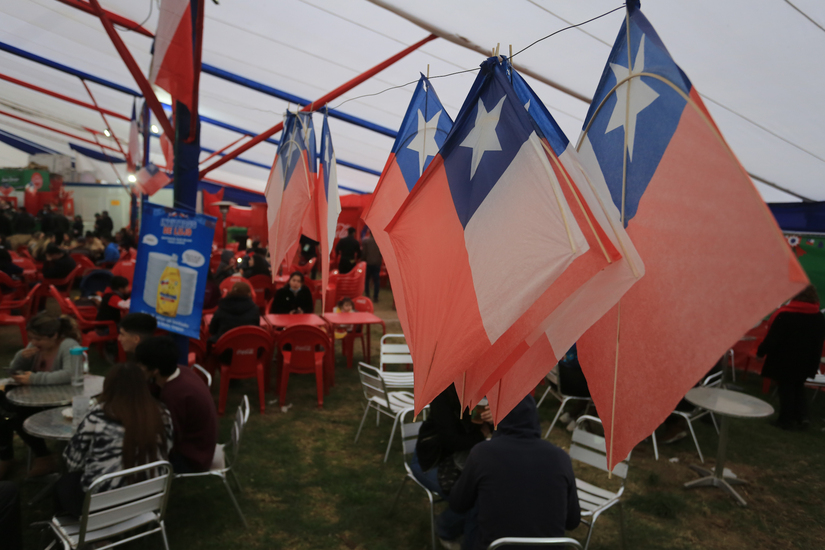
{"x": 155, "y": 129}
{"x": 107, "y": 133}
{"x": 132, "y": 178}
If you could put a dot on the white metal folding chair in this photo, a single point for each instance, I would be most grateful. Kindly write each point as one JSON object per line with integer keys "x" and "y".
{"x": 711, "y": 381}
{"x": 554, "y": 388}
{"x": 204, "y": 373}
{"x": 116, "y": 512}
{"x": 388, "y": 403}
{"x": 222, "y": 464}
{"x": 559, "y": 542}
{"x": 409, "y": 436}
{"x": 394, "y": 352}
{"x": 590, "y": 449}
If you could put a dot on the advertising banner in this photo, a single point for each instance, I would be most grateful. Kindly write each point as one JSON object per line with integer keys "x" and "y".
{"x": 171, "y": 267}
{"x": 23, "y": 178}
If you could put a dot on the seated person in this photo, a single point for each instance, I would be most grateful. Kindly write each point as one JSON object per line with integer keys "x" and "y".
{"x": 111, "y": 253}
{"x": 125, "y": 414}
{"x": 295, "y": 297}
{"x": 113, "y": 299}
{"x": 11, "y": 526}
{"x": 572, "y": 382}
{"x": 8, "y": 266}
{"x": 344, "y": 306}
{"x": 134, "y": 328}
{"x": 256, "y": 265}
{"x": 445, "y": 439}
{"x": 236, "y": 309}
{"x": 519, "y": 484}
{"x": 189, "y": 402}
{"x": 58, "y": 263}
{"x": 46, "y": 360}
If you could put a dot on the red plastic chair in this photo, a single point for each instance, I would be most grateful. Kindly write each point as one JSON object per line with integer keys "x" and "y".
{"x": 126, "y": 269}
{"x": 83, "y": 261}
{"x": 263, "y": 290}
{"x": 229, "y": 282}
{"x": 64, "y": 285}
{"x": 88, "y": 327}
{"x": 251, "y": 349}
{"x": 348, "y": 285}
{"x": 24, "y": 305}
{"x": 17, "y": 289}
{"x": 363, "y": 304}
{"x": 8, "y": 319}
{"x": 197, "y": 352}
{"x": 307, "y": 355}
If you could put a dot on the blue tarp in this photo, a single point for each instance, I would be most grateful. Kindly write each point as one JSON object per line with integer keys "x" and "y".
{"x": 22, "y": 144}
{"x": 800, "y": 217}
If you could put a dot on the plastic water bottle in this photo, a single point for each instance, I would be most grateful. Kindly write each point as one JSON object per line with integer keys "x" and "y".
{"x": 77, "y": 365}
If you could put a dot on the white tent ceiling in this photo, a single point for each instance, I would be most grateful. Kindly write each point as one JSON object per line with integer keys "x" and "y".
{"x": 758, "y": 64}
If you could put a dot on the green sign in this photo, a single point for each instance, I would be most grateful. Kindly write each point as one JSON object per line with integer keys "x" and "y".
{"x": 810, "y": 251}
{"x": 20, "y": 178}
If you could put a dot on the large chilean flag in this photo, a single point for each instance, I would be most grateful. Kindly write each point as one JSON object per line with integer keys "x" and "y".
{"x": 173, "y": 53}
{"x": 683, "y": 197}
{"x": 582, "y": 306}
{"x": 422, "y": 132}
{"x": 327, "y": 202}
{"x": 289, "y": 188}
{"x": 484, "y": 234}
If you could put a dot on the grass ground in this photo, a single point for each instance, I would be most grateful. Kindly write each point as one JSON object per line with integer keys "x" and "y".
{"x": 306, "y": 485}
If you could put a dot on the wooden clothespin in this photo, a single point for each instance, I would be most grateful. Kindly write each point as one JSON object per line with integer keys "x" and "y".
{"x": 496, "y": 53}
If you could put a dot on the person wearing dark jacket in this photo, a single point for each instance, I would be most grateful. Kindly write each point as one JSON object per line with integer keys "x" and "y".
{"x": 256, "y": 265}
{"x": 77, "y": 226}
{"x": 520, "y": 484}
{"x": 58, "y": 263}
{"x": 792, "y": 350}
{"x": 25, "y": 223}
{"x": 444, "y": 440}
{"x": 8, "y": 266}
{"x": 113, "y": 297}
{"x": 237, "y": 309}
{"x": 348, "y": 250}
{"x": 295, "y": 297}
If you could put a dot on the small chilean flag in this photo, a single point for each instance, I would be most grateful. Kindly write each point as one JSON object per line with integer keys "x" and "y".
{"x": 134, "y": 157}
{"x": 173, "y": 55}
{"x": 484, "y": 234}
{"x": 582, "y": 307}
{"x": 289, "y": 188}
{"x": 151, "y": 179}
{"x": 683, "y": 197}
{"x": 422, "y": 132}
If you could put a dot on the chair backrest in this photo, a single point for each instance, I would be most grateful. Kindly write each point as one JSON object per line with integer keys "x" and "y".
{"x": 198, "y": 349}
{"x": 262, "y": 289}
{"x": 351, "y": 285}
{"x": 363, "y": 304}
{"x": 245, "y": 409}
{"x": 409, "y": 431}
{"x": 68, "y": 279}
{"x": 65, "y": 309}
{"x": 83, "y": 261}
{"x": 27, "y": 309}
{"x": 556, "y": 542}
{"x": 249, "y": 345}
{"x": 103, "y": 509}
{"x": 590, "y": 449}
{"x": 372, "y": 384}
{"x": 305, "y": 342}
{"x": 713, "y": 380}
{"x": 125, "y": 268}
{"x": 229, "y": 282}
{"x": 394, "y": 352}
{"x": 203, "y": 374}
{"x": 235, "y": 440}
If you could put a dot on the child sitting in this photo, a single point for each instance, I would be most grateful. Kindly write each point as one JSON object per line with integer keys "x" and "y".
{"x": 344, "y": 306}
{"x": 113, "y": 300}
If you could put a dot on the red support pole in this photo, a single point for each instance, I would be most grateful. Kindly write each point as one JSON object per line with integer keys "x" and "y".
{"x": 55, "y": 130}
{"x": 318, "y": 103}
{"x": 140, "y": 80}
{"x": 116, "y": 19}
{"x": 61, "y": 96}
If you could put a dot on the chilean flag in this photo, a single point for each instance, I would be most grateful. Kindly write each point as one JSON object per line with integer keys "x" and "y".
{"x": 683, "y": 197}
{"x": 173, "y": 53}
{"x": 289, "y": 188}
{"x": 422, "y": 133}
{"x": 150, "y": 179}
{"x": 583, "y": 306}
{"x": 486, "y": 233}
{"x": 133, "y": 158}
{"x": 327, "y": 202}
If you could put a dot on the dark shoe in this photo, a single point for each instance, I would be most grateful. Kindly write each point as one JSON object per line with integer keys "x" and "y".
{"x": 43, "y": 465}
{"x": 5, "y": 468}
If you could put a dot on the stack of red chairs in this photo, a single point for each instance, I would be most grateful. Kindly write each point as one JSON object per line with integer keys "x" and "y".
{"x": 348, "y": 285}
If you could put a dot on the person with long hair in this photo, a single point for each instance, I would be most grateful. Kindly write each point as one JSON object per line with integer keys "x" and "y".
{"x": 237, "y": 309}
{"x": 45, "y": 361}
{"x": 126, "y": 428}
{"x": 295, "y": 297}
{"x": 256, "y": 265}
{"x": 792, "y": 350}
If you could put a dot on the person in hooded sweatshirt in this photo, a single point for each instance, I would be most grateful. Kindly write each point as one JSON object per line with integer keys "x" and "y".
{"x": 295, "y": 297}
{"x": 519, "y": 484}
{"x": 237, "y": 309}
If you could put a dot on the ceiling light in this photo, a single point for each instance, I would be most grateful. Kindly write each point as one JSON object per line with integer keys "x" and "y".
{"x": 107, "y": 133}
{"x": 155, "y": 129}
{"x": 132, "y": 178}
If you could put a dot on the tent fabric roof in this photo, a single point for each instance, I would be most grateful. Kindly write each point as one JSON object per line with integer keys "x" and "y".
{"x": 758, "y": 65}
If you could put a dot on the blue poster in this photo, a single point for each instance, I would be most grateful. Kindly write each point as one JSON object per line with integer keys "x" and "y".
{"x": 171, "y": 267}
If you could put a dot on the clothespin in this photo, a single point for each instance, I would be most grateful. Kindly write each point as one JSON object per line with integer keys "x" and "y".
{"x": 496, "y": 53}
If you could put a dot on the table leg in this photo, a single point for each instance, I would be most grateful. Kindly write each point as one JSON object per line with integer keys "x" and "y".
{"x": 369, "y": 343}
{"x": 716, "y": 477}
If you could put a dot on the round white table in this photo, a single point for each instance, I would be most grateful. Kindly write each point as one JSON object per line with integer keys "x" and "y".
{"x": 726, "y": 404}
{"x": 50, "y": 424}
{"x": 54, "y": 396}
